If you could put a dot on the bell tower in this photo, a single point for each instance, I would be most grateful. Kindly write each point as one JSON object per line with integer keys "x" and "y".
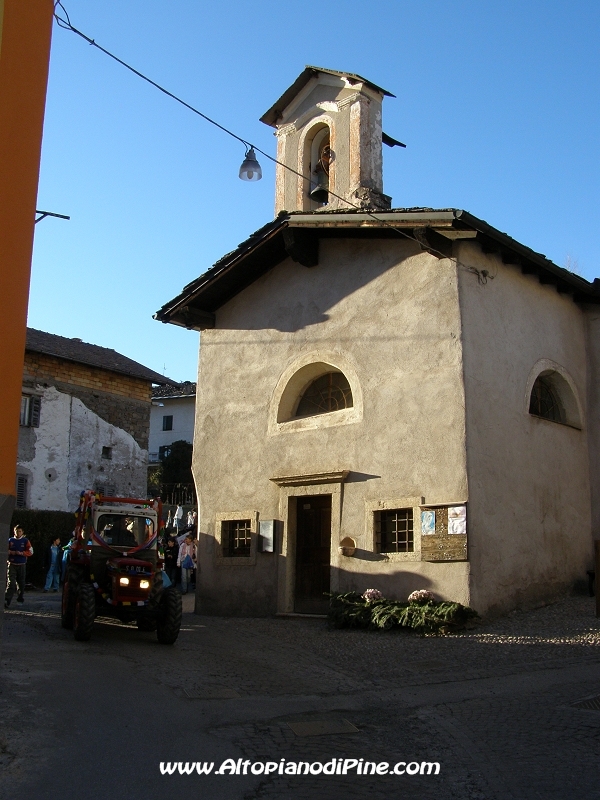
{"x": 328, "y": 128}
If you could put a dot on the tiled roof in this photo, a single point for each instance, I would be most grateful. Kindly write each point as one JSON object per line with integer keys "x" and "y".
{"x": 185, "y": 389}
{"x": 266, "y": 247}
{"x": 91, "y": 354}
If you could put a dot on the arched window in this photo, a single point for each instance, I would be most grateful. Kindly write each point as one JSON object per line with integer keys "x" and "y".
{"x": 329, "y": 392}
{"x": 545, "y": 400}
{"x": 317, "y": 390}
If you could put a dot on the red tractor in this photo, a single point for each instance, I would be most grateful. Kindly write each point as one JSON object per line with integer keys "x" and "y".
{"x": 114, "y": 568}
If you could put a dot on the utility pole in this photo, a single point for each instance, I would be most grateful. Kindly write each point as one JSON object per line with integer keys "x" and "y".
{"x": 25, "y": 34}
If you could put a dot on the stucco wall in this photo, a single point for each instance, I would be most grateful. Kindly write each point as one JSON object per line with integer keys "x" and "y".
{"x": 593, "y": 404}
{"x": 63, "y": 455}
{"x": 389, "y": 316}
{"x": 529, "y": 490}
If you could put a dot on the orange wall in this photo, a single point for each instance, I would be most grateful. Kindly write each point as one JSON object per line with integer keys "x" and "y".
{"x": 25, "y": 31}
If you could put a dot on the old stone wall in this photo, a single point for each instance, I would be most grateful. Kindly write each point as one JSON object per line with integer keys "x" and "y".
{"x": 120, "y": 400}
{"x": 354, "y": 121}
{"x": 74, "y": 449}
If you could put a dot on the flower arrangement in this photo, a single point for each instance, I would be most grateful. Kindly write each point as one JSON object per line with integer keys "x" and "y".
{"x": 421, "y": 613}
{"x": 372, "y": 594}
{"x": 421, "y": 596}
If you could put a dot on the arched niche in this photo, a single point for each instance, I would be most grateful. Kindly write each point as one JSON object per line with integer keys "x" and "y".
{"x": 551, "y": 394}
{"x": 315, "y": 138}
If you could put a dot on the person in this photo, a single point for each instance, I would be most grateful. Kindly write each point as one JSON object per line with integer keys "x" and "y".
{"x": 190, "y": 519}
{"x": 187, "y": 561}
{"x": 195, "y": 570}
{"x": 123, "y": 535}
{"x": 66, "y": 553}
{"x": 171, "y": 553}
{"x": 53, "y": 563}
{"x": 19, "y": 550}
{"x": 178, "y": 518}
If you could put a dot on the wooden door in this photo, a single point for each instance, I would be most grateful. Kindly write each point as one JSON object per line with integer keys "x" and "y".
{"x": 313, "y": 548}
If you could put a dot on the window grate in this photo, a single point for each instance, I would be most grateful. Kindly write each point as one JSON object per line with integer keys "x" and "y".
{"x": 236, "y": 537}
{"x": 394, "y": 531}
{"x": 168, "y": 422}
{"x": 328, "y": 393}
{"x": 545, "y": 401}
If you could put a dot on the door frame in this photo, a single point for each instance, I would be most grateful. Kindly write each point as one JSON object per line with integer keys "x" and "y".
{"x": 292, "y": 488}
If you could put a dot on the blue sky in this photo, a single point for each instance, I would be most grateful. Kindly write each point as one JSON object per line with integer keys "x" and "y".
{"x": 497, "y": 101}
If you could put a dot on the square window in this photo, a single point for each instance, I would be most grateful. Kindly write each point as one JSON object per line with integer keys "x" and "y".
{"x": 236, "y": 538}
{"x": 107, "y": 453}
{"x": 168, "y": 422}
{"x": 394, "y": 531}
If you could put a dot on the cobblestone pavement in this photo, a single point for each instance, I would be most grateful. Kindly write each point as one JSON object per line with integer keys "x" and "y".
{"x": 495, "y": 706}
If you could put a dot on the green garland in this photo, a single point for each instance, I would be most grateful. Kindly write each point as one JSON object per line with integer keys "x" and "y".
{"x": 351, "y": 610}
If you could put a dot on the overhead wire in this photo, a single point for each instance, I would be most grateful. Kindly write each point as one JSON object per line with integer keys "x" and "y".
{"x": 65, "y": 22}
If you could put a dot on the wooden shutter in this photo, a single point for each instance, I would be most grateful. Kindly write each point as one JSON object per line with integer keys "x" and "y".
{"x": 35, "y": 406}
{"x": 21, "y": 491}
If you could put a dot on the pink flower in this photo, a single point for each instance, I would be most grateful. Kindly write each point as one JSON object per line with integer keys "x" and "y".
{"x": 420, "y": 596}
{"x": 372, "y": 594}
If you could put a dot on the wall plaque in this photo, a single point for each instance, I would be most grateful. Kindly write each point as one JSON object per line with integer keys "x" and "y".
{"x": 444, "y": 533}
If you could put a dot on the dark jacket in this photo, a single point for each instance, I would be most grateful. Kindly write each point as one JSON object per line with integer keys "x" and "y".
{"x": 171, "y": 554}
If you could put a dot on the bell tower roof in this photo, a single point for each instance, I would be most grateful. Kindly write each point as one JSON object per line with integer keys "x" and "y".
{"x": 275, "y": 113}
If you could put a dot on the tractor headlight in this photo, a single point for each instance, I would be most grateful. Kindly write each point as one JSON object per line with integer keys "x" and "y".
{"x": 144, "y": 584}
{"x": 123, "y": 581}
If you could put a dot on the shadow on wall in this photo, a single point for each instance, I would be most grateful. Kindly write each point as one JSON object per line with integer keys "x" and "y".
{"x": 354, "y": 265}
{"x": 251, "y": 590}
{"x": 395, "y": 585}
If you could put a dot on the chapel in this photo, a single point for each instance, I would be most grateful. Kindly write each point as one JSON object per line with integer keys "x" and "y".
{"x": 389, "y": 398}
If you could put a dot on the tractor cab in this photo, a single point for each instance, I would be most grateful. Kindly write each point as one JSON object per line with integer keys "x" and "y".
{"x": 123, "y": 529}
{"x": 124, "y": 552}
{"x": 115, "y": 567}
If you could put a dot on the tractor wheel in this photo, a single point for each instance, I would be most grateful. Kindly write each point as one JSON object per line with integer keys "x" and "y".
{"x": 66, "y": 616}
{"x": 85, "y": 611}
{"x": 169, "y": 616}
{"x": 147, "y": 622}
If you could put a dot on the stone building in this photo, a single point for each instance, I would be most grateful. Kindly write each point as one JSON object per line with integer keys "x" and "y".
{"x": 388, "y": 398}
{"x": 85, "y": 415}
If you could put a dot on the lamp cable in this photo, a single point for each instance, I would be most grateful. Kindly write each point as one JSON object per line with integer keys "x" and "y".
{"x": 65, "y": 22}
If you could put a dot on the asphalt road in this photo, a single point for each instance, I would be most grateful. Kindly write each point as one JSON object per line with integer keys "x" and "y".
{"x": 496, "y": 707}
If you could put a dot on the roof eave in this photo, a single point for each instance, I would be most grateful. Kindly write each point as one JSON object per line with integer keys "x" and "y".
{"x": 274, "y": 114}
{"x": 153, "y": 377}
{"x": 180, "y": 311}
